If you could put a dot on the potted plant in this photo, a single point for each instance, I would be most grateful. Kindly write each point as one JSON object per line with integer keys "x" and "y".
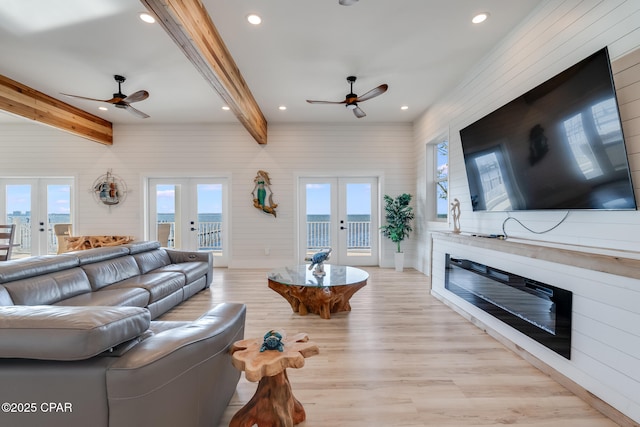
{"x": 398, "y": 214}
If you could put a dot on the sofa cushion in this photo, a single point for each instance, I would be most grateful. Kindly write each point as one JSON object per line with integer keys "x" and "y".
{"x": 67, "y": 333}
{"x": 159, "y": 285}
{"x": 35, "y": 266}
{"x": 192, "y": 270}
{"x": 125, "y": 297}
{"x": 151, "y": 260}
{"x": 49, "y": 288}
{"x": 104, "y": 273}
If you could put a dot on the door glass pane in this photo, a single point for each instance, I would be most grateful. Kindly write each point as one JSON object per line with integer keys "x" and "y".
{"x": 166, "y": 214}
{"x": 358, "y": 219}
{"x": 18, "y": 205}
{"x": 58, "y": 212}
{"x": 318, "y": 215}
{"x": 210, "y": 217}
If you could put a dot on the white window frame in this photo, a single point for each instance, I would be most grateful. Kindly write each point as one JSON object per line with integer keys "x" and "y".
{"x": 432, "y": 178}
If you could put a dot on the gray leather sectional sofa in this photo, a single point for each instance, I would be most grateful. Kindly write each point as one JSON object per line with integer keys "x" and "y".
{"x": 78, "y": 345}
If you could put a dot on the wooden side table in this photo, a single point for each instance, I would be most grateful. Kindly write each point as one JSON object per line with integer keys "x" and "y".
{"x": 273, "y": 404}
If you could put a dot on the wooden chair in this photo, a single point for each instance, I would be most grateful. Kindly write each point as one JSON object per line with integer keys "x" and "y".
{"x": 164, "y": 228}
{"x": 62, "y": 231}
{"x": 7, "y": 233}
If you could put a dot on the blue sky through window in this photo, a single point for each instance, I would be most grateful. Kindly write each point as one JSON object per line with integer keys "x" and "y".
{"x": 209, "y": 198}
{"x": 19, "y": 198}
{"x": 319, "y": 199}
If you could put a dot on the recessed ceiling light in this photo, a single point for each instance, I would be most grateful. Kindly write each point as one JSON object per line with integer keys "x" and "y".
{"x": 282, "y": 107}
{"x": 225, "y": 108}
{"x": 254, "y": 19}
{"x": 404, "y": 107}
{"x": 481, "y": 17}
{"x": 103, "y": 108}
{"x": 147, "y": 18}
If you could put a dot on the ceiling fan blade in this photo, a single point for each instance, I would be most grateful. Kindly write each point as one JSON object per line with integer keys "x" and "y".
{"x": 140, "y": 95}
{"x": 325, "y": 102}
{"x": 358, "y": 112}
{"x": 136, "y": 112}
{"x": 112, "y": 100}
{"x": 374, "y": 92}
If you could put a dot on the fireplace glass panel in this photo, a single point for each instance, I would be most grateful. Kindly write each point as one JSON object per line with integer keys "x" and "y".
{"x": 539, "y": 310}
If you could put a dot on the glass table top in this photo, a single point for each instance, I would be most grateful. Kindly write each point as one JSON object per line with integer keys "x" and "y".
{"x": 335, "y": 275}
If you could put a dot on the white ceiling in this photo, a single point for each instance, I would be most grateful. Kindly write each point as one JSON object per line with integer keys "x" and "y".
{"x": 304, "y": 49}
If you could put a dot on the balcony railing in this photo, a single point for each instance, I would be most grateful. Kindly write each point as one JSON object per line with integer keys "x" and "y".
{"x": 210, "y": 236}
{"x": 319, "y": 234}
{"x": 22, "y": 239}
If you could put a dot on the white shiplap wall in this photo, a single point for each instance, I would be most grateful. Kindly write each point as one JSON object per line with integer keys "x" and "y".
{"x": 557, "y": 35}
{"x": 606, "y": 336}
{"x": 605, "y": 343}
{"x": 139, "y": 152}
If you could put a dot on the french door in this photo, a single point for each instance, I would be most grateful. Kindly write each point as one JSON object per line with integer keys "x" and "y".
{"x": 341, "y": 214}
{"x": 190, "y": 214}
{"x": 35, "y": 205}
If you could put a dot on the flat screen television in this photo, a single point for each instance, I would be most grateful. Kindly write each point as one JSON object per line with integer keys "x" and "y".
{"x": 558, "y": 146}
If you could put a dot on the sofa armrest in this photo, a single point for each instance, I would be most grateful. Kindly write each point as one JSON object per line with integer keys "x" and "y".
{"x": 215, "y": 325}
{"x": 154, "y": 383}
{"x": 177, "y": 257}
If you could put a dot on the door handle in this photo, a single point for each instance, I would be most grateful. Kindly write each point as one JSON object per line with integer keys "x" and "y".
{"x": 193, "y": 229}
{"x": 343, "y": 228}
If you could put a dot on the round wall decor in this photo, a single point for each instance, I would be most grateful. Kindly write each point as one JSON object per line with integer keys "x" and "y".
{"x": 109, "y": 189}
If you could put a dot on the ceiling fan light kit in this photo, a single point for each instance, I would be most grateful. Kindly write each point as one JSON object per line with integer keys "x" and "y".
{"x": 351, "y": 99}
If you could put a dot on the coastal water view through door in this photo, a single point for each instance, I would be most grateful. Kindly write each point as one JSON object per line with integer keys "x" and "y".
{"x": 189, "y": 214}
{"x": 35, "y": 206}
{"x": 340, "y": 214}
{"x": 209, "y": 230}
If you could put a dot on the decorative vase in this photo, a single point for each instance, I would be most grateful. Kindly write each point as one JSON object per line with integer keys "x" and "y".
{"x": 399, "y": 261}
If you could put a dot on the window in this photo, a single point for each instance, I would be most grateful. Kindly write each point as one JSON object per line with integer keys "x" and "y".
{"x": 441, "y": 179}
{"x": 492, "y": 172}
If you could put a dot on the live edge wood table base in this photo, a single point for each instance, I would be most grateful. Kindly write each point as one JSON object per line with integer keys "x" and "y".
{"x": 323, "y": 295}
{"x": 273, "y": 404}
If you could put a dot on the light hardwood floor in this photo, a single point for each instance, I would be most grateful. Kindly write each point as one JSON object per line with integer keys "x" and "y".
{"x": 399, "y": 358}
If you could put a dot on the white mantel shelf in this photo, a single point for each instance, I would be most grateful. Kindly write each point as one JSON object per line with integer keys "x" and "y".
{"x": 619, "y": 265}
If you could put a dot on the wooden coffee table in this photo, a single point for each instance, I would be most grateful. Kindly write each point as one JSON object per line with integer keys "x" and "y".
{"x": 273, "y": 403}
{"x": 323, "y": 295}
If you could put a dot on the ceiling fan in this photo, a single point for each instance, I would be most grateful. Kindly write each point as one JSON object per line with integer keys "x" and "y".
{"x": 121, "y": 100}
{"x": 351, "y": 100}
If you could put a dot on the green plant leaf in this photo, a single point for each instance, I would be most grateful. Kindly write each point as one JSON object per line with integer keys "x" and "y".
{"x": 398, "y": 215}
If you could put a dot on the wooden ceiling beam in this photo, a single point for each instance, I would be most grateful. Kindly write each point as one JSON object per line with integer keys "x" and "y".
{"x": 26, "y": 102}
{"x": 191, "y": 28}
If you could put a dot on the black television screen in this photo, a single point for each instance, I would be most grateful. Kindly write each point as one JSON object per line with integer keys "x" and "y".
{"x": 558, "y": 146}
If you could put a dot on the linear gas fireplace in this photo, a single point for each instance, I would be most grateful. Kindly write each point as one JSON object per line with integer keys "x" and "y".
{"x": 538, "y": 310}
